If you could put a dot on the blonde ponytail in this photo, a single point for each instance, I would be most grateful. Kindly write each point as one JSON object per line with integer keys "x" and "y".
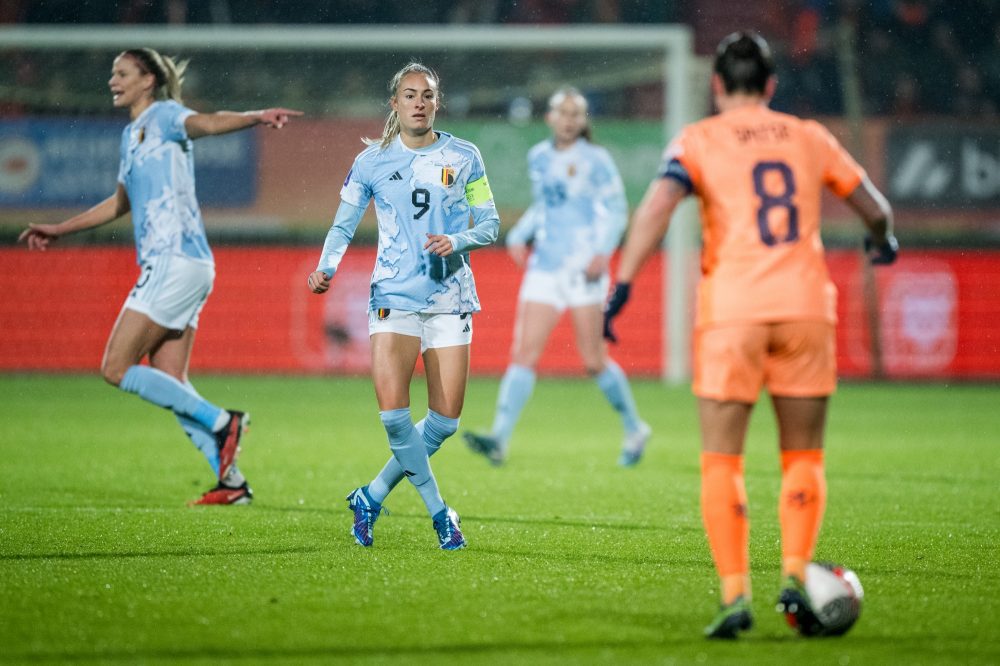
{"x": 169, "y": 74}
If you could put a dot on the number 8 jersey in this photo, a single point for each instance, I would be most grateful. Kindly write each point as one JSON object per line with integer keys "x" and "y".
{"x": 759, "y": 176}
{"x": 431, "y": 190}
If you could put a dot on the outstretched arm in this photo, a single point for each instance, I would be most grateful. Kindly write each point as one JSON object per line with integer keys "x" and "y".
{"x": 206, "y": 124}
{"x": 38, "y": 236}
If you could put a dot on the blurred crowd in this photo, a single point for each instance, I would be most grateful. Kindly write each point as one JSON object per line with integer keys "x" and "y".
{"x": 911, "y": 57}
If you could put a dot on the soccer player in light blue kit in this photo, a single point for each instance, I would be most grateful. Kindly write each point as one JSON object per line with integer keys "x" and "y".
{"x": 575, "y": 223}
{"x": 426, "y": 185}
{"x": 160, "y": 315}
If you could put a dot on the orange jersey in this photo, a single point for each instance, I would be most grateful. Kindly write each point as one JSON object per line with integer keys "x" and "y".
{"x": 759, "y": 176}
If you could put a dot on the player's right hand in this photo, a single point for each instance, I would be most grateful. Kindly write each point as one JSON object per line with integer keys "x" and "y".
{"x": 318, "y": 282}
{"x": 884, "y": 253}
{"x": 38, "y": 236}
{"x": 619, "y": 297}
{"x": 277, "y": 118}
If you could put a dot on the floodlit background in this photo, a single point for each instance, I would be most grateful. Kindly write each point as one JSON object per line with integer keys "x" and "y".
{"x": 571, "y": 560}
{"x": 912, "y": 88}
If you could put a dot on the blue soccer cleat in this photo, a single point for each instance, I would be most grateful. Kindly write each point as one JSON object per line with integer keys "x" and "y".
{"x": 447, "y": 524}
{"x": 366, "y": 512}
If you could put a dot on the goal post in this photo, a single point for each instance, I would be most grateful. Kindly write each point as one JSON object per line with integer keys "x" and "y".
{"x": 344, "y": 69}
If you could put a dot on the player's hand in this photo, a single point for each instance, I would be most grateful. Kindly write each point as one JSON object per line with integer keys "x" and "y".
{"x": 884, "y": 253}
{"x": 318, "y": 282}
{"x": 618, "y": 299}
{"x": 38, "y": 236}
{"x": 439, "y": 244}
{"x": 597, "y": 267}
{"x": 519, "y": 253}
{"x": 277, "y": 118}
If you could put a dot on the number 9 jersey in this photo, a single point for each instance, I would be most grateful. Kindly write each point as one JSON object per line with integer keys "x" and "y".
{"x": 759, "y": 176}
{"x": 431, "y": 190}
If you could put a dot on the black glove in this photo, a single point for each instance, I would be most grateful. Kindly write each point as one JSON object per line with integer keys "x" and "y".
{"x": 884, "y": 253}
{"x": 618, "y": 299}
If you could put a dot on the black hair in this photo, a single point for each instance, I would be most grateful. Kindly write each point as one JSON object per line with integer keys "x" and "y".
{"x": 744, "y": 62}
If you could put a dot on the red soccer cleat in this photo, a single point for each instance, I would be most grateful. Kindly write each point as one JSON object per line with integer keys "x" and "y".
{"x": 225, "y": 495}
{"x": 228, "y": 440}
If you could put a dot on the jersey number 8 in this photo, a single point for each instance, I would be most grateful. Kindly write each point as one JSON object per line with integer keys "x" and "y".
{"x": 769, "y": 201}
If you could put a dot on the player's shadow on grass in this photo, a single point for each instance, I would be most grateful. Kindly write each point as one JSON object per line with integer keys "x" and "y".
{"x": 555, "y": 521}
{"x": 446, "y": 651}
{"x": 187, "y": 552}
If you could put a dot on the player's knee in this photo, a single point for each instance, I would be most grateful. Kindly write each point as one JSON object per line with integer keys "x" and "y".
{"x": 112, "y": 373}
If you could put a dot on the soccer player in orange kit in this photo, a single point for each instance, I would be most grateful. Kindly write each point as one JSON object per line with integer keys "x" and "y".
{"x": 766, "y": 308}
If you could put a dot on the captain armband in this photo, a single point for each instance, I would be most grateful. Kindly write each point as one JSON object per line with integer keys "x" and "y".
{"x": 478, "y": 192}
{"x": 674, "y": 170}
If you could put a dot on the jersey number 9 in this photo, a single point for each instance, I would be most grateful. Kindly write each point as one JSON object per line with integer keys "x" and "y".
{"x": 421, "y": 199}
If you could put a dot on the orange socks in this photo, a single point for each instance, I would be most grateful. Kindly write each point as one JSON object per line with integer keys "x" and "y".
{"x": 724, "y": 511}
{"x": 801, "y": 506}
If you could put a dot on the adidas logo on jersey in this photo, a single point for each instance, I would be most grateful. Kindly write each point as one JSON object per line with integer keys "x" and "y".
{"x": 466, "y": 329}
{"x": 395, "y": 176}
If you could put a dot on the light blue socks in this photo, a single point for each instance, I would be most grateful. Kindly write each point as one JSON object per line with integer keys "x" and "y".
{"x": 161, "y": 389}
{"x": 515, "y": 389}
{"x": 614, "y": 385}
{"x": 434, "y": 428}
{"x": 410, "y": 451}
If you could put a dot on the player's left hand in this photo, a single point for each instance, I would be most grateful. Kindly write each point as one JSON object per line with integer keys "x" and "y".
{"x": 619, "y": 297}
{"x": 439, "y": 244}
{"x": 884, "y": 253}
{"x": 277, "y": 118}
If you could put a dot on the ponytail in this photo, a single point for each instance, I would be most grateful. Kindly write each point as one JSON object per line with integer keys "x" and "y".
{"x": 169, "y": 74}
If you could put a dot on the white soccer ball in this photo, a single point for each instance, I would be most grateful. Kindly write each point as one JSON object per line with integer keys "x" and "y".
{"x": 836, "y": 594}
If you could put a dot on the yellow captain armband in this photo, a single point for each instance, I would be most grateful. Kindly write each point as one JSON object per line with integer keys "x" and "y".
{"x": 478, "y": 192}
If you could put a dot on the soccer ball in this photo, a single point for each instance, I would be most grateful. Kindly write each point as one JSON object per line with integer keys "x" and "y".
{"x": 835, "y": 593}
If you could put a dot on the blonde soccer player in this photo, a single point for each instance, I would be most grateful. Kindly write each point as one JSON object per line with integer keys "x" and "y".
{"x": 426, "y": 186}
{"x": 176, "y": 269}
{"x": 573, "y": 225}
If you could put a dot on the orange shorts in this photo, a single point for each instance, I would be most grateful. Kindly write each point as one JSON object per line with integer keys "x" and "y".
{"x": 796, "y": 359}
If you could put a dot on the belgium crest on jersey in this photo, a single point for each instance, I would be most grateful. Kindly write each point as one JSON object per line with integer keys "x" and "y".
{"x": 447, "y": 176}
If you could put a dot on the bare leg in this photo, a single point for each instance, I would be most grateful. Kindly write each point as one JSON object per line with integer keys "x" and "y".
{"x": 393, "y": 359}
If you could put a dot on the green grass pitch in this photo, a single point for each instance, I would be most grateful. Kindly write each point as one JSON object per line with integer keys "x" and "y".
{"x": 570, "y": 560}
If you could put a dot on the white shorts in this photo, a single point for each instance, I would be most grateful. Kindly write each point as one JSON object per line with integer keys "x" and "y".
{"x": 563, "y": 289}
{"x": 172, "y": 290}
{"x": 434, "y": 330}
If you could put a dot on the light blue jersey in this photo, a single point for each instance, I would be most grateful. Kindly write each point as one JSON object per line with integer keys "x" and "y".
{"x": 416, "y": 192}
{"x": 579, "y": 207}
{"x": 157, "y": 170}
